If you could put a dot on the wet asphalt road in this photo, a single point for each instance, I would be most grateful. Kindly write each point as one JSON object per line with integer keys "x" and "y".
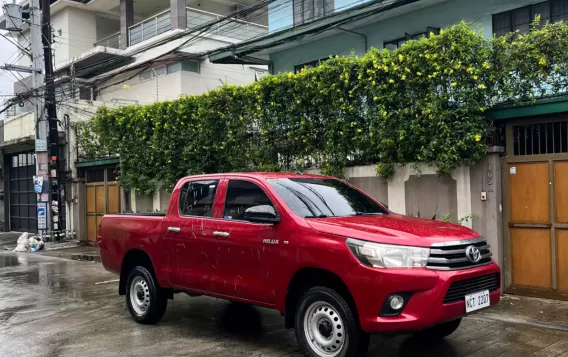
{"x": 55, "y": 307}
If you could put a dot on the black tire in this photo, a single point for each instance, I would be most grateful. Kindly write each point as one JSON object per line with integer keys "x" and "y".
{"x": 148, "y": 291}
{"x": 355, "y": 341}
{"x": 442, "y": 330}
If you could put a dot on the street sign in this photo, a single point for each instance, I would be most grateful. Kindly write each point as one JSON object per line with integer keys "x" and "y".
{"x": 42, "y": 216}
{"x": 41, "y": 145}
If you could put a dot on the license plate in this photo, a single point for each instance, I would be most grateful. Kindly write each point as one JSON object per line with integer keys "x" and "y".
{"x": 476, "y": 301}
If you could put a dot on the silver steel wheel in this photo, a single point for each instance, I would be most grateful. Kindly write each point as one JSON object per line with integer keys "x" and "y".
{"x": 324, "y": 329}
{"x": 139, "y": 295}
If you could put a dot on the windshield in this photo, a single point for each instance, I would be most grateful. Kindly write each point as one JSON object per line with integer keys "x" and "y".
{"x": 315, "y": 198}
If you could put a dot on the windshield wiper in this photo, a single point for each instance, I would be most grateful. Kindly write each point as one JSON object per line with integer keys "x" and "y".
{"x": 318, "y": 216}
{"x": 318, "y": 195}
{"x": 306, "y": 201}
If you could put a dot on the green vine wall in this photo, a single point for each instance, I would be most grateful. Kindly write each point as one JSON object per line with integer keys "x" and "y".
{"x": 424, "y": 102}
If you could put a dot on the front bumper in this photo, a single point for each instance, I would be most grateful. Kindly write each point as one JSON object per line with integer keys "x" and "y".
{"x": 370, "y": 287}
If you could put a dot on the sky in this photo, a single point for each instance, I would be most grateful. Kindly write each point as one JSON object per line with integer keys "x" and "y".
{"x": 7, "y": 52}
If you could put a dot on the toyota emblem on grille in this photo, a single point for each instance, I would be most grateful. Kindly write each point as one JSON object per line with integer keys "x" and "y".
{"x": 473, "y": 254}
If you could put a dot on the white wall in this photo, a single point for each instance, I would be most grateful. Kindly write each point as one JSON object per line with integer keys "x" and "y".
{"x": 75, "y": 32}
{"x": 166, "y": 87}
{"x": 172, "y": 86}
{"x": 211, "y": 76}
{"x": 106, "y": 26}
{"x": 18, "y": 127}
{"x": 81, "y": 32}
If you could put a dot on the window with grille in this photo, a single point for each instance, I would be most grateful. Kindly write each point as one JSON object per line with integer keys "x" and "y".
{"x": 540, "y": 139}
{"x": 521, "y": 18}
{"x": 309, "y": 10}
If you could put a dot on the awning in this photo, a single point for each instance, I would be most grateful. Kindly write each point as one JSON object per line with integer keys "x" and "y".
{"x": 88, "y": 63}
{"x": 540, "y": 107}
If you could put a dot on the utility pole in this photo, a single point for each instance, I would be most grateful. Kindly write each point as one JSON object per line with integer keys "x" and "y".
{"x": 52, "y": 122}
{"x": 41, "y": 127}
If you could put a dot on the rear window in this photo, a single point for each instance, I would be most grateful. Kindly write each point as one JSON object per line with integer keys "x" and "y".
{"x": 315, "y": 197}
{"x": 197, "y": 198}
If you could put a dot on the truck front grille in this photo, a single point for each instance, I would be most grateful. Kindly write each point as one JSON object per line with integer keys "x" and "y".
{"x": 459, "y": 254}
{"x": 459, "y": 289}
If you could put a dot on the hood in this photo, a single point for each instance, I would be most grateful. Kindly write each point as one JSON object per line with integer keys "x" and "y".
{"x": 393, "y": 229}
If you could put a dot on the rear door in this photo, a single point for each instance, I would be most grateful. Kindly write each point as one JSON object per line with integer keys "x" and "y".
{"x": 193, "y": 247}
{"x": 249, "y": 251}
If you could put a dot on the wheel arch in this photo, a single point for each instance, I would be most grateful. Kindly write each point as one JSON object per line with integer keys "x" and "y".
{"x": 306, "y": 278}
{"x": 134, "y": 257}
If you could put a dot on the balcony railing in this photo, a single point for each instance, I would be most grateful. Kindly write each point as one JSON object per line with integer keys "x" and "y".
{"x": 112, "y": 41}
{"x": 149, "y": 28}
{"x": 161, "y": 23}
{"x": 237, "y": 29}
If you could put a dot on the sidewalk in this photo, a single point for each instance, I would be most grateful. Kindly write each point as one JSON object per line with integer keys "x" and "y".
{"x": 527, "y": 311}
{"x": 84, "y": 252}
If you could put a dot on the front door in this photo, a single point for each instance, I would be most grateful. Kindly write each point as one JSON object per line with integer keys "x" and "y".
{"x": 537, "y": 209}
{"x": 249, "y": 251}
{"x": 193, "y": 247}
{"x": 103, "y": 197}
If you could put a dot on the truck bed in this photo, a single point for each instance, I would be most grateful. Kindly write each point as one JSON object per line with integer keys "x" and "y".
{"x": 147, "y": 214}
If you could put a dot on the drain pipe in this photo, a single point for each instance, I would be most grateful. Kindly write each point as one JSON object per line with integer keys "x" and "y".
{"x": 358, "y": 34}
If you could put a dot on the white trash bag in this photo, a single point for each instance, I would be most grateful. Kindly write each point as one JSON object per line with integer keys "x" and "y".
{"x": 23, "y": 243}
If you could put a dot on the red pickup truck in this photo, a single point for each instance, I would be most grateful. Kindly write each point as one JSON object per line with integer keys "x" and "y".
{"x": 336, "y": 263}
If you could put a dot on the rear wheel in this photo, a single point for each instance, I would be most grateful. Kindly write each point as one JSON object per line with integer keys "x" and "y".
{"x": 146, "y": 301}
{"x": 442, "y": 330}
{"x": 327, "y": 327}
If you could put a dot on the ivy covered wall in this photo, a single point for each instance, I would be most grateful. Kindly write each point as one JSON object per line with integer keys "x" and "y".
{"x": 424, "y": 102}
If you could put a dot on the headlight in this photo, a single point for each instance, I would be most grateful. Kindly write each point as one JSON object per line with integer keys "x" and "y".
{"x": 388, "y": 256}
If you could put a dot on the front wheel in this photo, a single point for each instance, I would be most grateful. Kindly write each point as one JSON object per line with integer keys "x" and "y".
{"x": 146, "y": 301}
{"x": 326, "y": 326}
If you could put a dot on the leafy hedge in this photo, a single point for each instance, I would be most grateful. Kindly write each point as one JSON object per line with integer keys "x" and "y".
{"x": 424, "y": 102}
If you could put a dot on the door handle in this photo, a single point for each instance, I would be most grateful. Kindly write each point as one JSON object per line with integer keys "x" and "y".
{"x": 221, "y": 234}
{"x": 174, "y": 229}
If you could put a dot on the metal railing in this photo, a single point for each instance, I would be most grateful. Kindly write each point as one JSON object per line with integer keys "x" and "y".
{"x": 161, "y": 23}
{"x": 154, "y": 26}
{"x": 112, "y": 41}
{"x": 237, "y": 29}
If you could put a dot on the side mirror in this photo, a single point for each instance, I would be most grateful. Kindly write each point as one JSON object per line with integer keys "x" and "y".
{"x": 262, "y": 214}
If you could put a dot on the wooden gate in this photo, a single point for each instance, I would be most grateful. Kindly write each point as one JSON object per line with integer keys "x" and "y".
{"x": 536, "y": 209}
{"x": 103, "y": 196}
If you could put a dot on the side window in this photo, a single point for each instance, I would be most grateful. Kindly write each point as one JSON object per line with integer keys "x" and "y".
{"x": 197, "y": 198}
{"x": 242, "y": 195}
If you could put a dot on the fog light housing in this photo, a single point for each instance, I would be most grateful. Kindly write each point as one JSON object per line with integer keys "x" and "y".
{"x": 394, "y": 304}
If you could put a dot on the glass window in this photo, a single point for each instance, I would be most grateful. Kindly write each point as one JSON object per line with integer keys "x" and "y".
{"x": 160, "y": 71}
{"x": 314, "y": 197}
{"x": 308, "y": 10}
{"x": 144, "y": 76}
{"x": 190, "y": 66}
{"x": 242, "y": 195}
{"x": 174, "y": 67}
{"x": 298, "y": 12}
{"x": 520, "y": 19}
{"x": 502, "y": 23}
{"x": 197, "y": 198}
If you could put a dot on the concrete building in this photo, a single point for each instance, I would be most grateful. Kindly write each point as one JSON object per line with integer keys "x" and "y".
{"x": 518, "y": 194}
{"x": 112, "y": 53}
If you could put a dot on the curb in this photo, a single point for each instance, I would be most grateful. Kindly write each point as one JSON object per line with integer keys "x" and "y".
{"x": 95, "y": 258}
